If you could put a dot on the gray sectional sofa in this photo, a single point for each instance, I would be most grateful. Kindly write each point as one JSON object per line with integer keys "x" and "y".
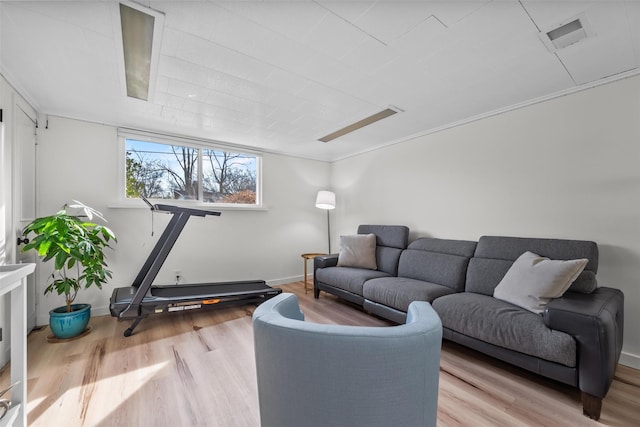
{"x": 576, "y": 340}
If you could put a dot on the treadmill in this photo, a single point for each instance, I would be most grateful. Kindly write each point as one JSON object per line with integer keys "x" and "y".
{"x": 141, "y": 299}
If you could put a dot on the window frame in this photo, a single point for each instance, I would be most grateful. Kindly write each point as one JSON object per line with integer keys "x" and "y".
{"x": 200, "y": 144}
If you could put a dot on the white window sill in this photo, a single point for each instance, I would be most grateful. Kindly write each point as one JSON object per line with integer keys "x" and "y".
{"x": 139, "y": 204}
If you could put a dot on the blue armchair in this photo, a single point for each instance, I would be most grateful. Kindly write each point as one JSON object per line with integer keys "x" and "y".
{"x": 316, "y": 375}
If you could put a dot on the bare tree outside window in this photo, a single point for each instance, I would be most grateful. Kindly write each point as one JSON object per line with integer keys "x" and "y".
{"x": 163, "y": 171}
{"x": 144, "y": 176}
{"x": 184, "y": 178}
{"x": 229, "y": 177}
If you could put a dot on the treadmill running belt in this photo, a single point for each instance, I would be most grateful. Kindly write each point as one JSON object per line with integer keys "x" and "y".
{"x": 208, "y": 289}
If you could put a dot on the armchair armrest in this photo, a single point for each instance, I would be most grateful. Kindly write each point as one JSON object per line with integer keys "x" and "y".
{"x": 596, "y": 322}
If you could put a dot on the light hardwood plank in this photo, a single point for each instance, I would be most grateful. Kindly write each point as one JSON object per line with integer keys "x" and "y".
{"x": 197, "y": 369}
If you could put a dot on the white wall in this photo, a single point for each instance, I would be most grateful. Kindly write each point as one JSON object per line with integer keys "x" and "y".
{"x": 79, "y": 160}
{"x": 564, "y": 168}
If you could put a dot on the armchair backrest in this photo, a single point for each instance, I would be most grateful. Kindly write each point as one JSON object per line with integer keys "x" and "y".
{"x": 335, "y": 375}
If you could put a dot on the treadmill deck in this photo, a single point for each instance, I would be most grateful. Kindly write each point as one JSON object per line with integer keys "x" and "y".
{"x": 161, "y": 299}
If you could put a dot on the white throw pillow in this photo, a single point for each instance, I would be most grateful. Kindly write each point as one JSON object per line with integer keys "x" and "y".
{"x": 358, "y": 251}
{"x": 532, "y": 281}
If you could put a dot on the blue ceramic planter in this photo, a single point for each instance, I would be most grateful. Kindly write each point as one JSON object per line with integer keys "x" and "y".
{"x": 68, "y": 325}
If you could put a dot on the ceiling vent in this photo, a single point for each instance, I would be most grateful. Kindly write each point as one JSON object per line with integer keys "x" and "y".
{"x": 571, "y": 32}
{"x": 360, "y": 124}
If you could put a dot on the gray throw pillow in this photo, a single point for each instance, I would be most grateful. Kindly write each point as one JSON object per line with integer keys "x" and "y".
{"x": 532, "y": 281}
{"x": 358, "y": 250}
{"x": 586, "y": 283}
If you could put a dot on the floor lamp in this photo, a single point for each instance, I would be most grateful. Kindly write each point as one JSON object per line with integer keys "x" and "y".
{"x": 326, "y": 200}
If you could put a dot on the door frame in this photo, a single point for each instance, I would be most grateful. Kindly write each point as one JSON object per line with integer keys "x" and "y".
{"x": 18, "y": 219}
{"x": 10, "y": 102}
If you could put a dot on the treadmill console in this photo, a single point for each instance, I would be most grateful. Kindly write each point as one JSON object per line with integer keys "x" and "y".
{"x": 179, "y": 209}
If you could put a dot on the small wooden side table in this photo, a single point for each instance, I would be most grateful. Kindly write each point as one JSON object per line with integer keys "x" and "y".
{"x": 305, "y": 258}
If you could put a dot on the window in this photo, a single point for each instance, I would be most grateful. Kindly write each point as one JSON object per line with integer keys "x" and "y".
{"x": 172, "y": 169}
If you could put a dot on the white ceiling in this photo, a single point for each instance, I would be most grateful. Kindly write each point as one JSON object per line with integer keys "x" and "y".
{"x": 278, "y": 75}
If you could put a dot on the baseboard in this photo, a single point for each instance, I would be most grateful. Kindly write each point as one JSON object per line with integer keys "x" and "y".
{"x": 630, "y": 360}
{"x": 100, "y": 311}
{"x": 278, "y": 282}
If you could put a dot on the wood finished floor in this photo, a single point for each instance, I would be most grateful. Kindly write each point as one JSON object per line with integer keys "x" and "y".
{"x": 197, "y": 369}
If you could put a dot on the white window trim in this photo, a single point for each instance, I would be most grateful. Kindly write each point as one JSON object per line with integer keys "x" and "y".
{"x": 128, "y": 203}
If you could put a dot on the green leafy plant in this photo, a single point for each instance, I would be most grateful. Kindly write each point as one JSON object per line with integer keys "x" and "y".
{"x": 76, "y": 246}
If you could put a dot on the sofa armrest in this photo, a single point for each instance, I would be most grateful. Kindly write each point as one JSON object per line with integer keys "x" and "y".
{"x": 596, "y": 322}
{"x": 323, "y": 261}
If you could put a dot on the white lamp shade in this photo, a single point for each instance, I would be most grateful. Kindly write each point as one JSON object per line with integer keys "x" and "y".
{"x": 326, "y": 200}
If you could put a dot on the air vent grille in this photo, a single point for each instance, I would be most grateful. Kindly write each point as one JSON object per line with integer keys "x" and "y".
{"x": 567, "y": 34}
{"x": 565, "y": 30}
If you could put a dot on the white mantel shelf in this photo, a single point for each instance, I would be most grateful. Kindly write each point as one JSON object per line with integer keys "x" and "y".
{"x": 11, "y": 275}
{"x": 13, "y": 279}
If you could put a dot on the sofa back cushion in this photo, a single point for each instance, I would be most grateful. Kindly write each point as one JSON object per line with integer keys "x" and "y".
{"x": 494, "y": 256}
{"x": 393, "y": 236}
{"x": 440, "y": 261}
{"x": 390, "y": 241}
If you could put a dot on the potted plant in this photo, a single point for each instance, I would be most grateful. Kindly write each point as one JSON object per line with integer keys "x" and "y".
{"x": 77, "y": 248}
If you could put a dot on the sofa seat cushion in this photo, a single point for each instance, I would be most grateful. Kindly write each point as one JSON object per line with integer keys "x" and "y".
{"x": 505, "y": 325}
{"x": 399, "y": 292}
{"x": 347, "y": 278}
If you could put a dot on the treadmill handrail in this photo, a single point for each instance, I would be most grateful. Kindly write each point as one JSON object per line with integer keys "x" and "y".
{"x": 176, "y": 209}
{"x": 181, "y": 209}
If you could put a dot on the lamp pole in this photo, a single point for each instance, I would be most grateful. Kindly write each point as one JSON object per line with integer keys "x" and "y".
{"x": 326, "y": 200}
{"x": 328, "y": 230}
